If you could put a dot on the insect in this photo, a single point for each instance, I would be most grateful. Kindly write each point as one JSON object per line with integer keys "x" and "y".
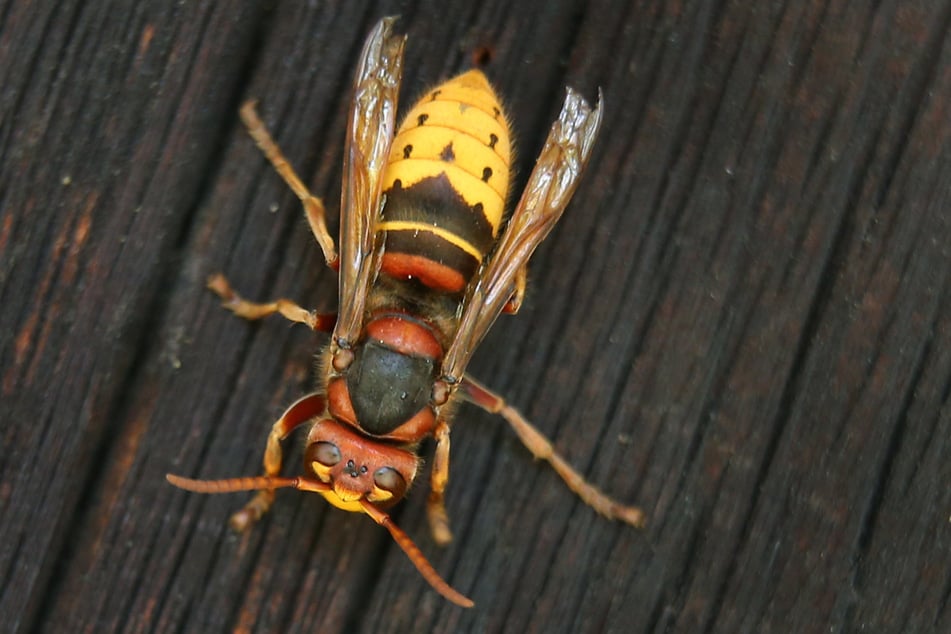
{"x": 426, "y": 264}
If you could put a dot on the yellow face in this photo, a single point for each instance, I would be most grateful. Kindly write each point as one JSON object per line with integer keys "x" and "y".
{"x": 353, "y": 507}
{"x": 358, "y": 468}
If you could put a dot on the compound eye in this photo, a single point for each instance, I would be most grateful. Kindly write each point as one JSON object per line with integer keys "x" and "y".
{"x": 326, "y": 453}
{"x": 389, "y": 479}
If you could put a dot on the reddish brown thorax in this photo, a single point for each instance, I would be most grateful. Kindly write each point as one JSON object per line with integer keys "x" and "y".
{"x": 386, "y": 391}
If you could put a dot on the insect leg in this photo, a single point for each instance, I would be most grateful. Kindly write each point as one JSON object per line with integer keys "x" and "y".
{"x": 542, "y": 449}
{"x": 241, "y": 307}
{"x": 313, "y": 206}
{"x": 302, "y": 411}
{"x": 515, "y": 301}
{"x": 439, "y": 478}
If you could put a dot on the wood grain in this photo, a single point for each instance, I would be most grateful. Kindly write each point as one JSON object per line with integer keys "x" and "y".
{"x": 743, "y": 322}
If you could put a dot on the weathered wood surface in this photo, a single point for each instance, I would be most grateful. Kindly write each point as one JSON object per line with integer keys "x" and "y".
{"x": 743, "y": 323}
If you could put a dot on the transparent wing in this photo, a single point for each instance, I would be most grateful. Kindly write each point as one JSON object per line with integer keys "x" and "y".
{"x": 546, "y": 195}
{"x": 369, "y": 134}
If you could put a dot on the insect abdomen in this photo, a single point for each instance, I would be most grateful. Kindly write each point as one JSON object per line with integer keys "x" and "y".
{"x": 445, "y": 184}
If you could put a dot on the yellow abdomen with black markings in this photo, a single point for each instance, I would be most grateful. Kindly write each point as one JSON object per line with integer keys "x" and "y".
{"x": 446, "y": 183}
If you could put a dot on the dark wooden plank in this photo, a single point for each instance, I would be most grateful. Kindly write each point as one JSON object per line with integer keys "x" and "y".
{"x": 103, "y": 166}
{"x": 742, "y": 323}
